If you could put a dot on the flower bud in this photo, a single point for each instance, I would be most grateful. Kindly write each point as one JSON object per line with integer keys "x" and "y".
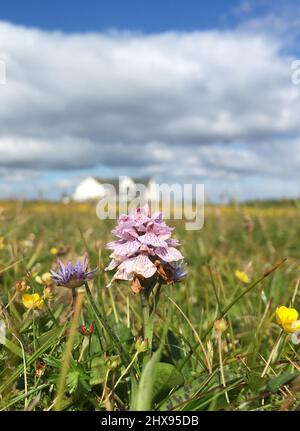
{"x": 84, "y": 330}
{"x": 141, "y": 345}
{"x": 113, "y": 362}
{"x": 220, "y": 325}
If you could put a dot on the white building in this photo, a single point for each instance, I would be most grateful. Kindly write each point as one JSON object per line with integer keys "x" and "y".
{"x": 93, "y": 188}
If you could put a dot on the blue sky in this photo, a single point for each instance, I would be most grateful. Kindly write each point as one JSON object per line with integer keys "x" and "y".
{"x": 182, "y": 91}
{"x": 146, "y": 16}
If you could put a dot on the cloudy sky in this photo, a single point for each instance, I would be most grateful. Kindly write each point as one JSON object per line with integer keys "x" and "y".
{"x": 184, "y": 91}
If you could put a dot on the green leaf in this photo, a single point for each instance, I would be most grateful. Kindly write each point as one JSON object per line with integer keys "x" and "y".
{"x": 124, "y": 333}
{"x": 188, "y": 391}
{"x": 143, "y": 401}
{"x": 95, "y": 348}
{"x": 174, "y": 346}
{"x": 52, "y": 361}
{"x": 76, "y": 377}
{"x": 13, "y": 348}
{"x": 275, "y": 384}
{"x": 72, "y": 381}
{"x": 166, "y": 377}
{"x": 214, "y": 398}
{"x": 254, "y": 380}
{"x": 98, "y": 371}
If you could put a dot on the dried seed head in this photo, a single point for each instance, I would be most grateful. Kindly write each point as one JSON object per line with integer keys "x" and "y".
{"x": 21, "y": 286}
{"x": 136, "y": 286}
{"x": 48, "y": 293}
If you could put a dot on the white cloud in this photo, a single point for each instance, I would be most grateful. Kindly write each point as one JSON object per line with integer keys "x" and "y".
{"x": 201, "y": 104}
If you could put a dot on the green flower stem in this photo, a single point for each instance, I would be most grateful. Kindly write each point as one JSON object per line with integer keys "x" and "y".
{"x": 148, "y": 313}
{"x": 121, "y": 376}
{"x": 147, "y": 318}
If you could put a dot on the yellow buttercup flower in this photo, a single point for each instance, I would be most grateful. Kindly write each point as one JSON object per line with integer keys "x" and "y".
{"x": 32, "y": 301}
{"x": 242, "y": 276}
{"x": 53, "y": 250}
{"x": 287, "y": 319}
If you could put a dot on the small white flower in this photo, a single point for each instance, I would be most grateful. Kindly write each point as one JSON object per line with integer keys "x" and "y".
{"x": 296, "y": 337}
{"x": 2, "y": 332}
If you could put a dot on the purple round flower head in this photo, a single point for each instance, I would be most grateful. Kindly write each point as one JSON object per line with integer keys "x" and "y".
{"x": 177, "y": 272}
{"x": 73, "y": 276}
{"x": 144, "y": 242}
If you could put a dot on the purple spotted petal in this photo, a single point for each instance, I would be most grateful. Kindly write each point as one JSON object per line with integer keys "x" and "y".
{"x": 140, "y": 264}
{"x": 172, "y": 242}
{"x": 113, "y": 264}
{"x": 127, "y": 248}
{"x": 152, "y": 239}
{"x": 169, "y": 254}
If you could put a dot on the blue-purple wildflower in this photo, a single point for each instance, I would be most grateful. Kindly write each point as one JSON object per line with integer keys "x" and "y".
{"x": 177, "y": 272}
{"x": 73, "y": 276}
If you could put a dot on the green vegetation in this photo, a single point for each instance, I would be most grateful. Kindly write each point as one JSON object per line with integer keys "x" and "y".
{"x": 248, "y": 364}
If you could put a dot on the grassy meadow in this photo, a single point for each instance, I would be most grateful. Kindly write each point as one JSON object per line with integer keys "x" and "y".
{"x": 49, "y": 360}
